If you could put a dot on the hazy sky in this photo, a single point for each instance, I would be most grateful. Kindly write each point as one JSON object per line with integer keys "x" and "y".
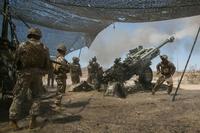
{"x": 117, "y": 39}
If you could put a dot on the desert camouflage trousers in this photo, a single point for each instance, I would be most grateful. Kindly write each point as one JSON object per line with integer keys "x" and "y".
{"x": 75, "y": 78}
{"x": 27, "y": 88}
{"x": 161, "y": 80}
{"x": 61, "y": 87}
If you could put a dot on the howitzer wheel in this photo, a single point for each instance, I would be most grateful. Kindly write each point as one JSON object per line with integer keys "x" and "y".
{"x": 146, "y": 76}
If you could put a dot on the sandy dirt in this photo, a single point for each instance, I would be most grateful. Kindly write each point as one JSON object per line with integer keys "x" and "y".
{"x": 140, "y": 112}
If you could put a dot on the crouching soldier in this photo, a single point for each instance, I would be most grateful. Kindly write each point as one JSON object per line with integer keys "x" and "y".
{"x": 75, "y": 70}
{"x": 166, "y": 70}
{"x": 60, "y": 71}
{"x": 32, "y": 61}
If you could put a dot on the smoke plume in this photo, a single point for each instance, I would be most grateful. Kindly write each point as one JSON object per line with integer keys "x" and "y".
{"x": 117, "y": 39}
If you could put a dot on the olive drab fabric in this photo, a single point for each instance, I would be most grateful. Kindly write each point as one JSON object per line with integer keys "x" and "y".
{"x": 75, "y": 71}
{"x": 93, "y": 68}
{"x": 32, "y": 54}
{"x": 166, "y": 70}
{"x": 32, "y": 60}
{"x": 60, "y": 72}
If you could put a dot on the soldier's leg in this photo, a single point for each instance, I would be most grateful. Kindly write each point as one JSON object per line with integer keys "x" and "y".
{"x": 48, "y": 80}
{"x": 61, "y": 86}
{"x": 77, "y": 79}
{"x": 159, "y": 82}
{"x": 89, "y": 79}
{"x": 52, "y": 81}
{"x": 73, "y": 79}
{"x": 20, "y": 93}
{"x": 36, "y": 88}
{"x": 170, "y": 85}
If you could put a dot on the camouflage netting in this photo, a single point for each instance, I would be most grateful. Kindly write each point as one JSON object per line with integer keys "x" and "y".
{"x": 84, "y": 19}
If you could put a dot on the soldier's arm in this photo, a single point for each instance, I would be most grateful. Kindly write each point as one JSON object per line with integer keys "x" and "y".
{"x": 158, "y": 67}
{"x": 66, "y": 65}
{"x": 19, "y": 53}
{"x": 173, "y": 69}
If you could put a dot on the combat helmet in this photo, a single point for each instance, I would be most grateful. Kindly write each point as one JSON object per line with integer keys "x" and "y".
{"x": 75, "y": 59}
{"x": 94, "y": 59}
{"x": 61, "y": 47}
{"x": 164, "y": 57}
{"x": 34, "y": 32}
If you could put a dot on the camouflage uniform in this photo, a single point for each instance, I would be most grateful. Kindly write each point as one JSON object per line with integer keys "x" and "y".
{"x": 32, "y": 60}
{"x": 89, "y": 68}
{"x": 166, "y": 70}
{"x": 94, "y": 70}
{"x": 117, "y": 71}
{"x": 116, "y": 80}
{"x": 60, "y": 72}
{"x": 99, "y": 78}
{"x": 75, "y": 71}
{"x": 7, "y": 69}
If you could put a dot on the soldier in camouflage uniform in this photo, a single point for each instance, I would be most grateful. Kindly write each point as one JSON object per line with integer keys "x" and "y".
{"x": 32, "y": 60}
{"x": 99, "y": 79}
{"x": 166, "y": 70}
{"x": 89, "y": 68}
{"x": 116, "y": 80}
{"x": 75, "y": 70}
{"x": 94, "y": 69}
{"x": 60, "y": 72}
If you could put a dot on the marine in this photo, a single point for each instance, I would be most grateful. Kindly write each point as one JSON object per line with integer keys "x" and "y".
{"x": 89, "y": 69}
{"x": 116, "y": 80}
{"x": 60, "y": 72}
{"x": 32, "y": 61}
{"x": 165, "y": 70}
{"x": 75, "y": 71}
{"x": 93, "y": 68}
{"x": 99, "y": 79}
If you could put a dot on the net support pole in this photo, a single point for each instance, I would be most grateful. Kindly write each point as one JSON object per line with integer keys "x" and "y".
{"x": 178, "y": 86}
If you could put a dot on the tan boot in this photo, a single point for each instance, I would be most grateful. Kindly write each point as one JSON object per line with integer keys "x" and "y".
{"x": 32, "y": 123}
{"x": 14, "y": 125}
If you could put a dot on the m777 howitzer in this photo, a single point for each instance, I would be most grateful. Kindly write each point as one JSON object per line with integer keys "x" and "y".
{"x": 137, "y": 62}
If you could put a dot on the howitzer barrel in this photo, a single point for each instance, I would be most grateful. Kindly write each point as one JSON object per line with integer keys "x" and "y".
{"x": 171, "y": 39}
{"x": 154, "y": 52}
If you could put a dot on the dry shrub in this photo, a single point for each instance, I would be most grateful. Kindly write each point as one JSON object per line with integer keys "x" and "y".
{"x": 193, "y": 75}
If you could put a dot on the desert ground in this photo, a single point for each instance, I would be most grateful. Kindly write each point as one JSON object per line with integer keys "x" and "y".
{"x": 140, "y": 112}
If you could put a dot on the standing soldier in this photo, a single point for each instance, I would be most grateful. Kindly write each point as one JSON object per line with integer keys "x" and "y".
{"x": 32, "y": 60}
{"x": 99, "y": 78}
{"x": 166, "y": 69}
{"x": 89, "y": 68}
{"x": 60, "y": 72}
{"x": 75, "y": 71}
{"x": 94, "y": 69}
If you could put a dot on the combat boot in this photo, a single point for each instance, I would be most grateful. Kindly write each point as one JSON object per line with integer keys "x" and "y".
{"x": 169, "y": 90}
{"x": 32, "y": 123}
{"x": 14, "y": 125}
